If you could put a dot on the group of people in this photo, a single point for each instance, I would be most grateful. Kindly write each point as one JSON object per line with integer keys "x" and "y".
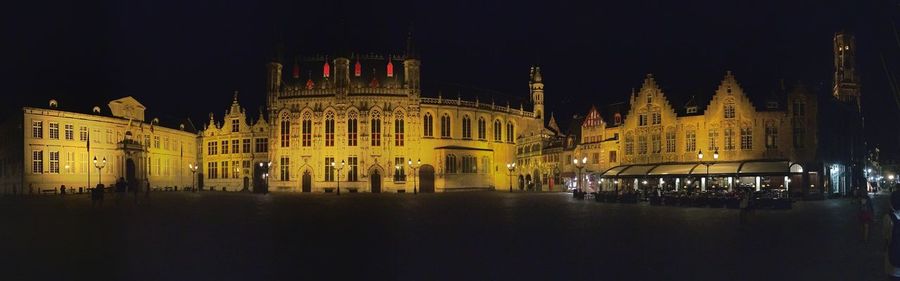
{"x": 98, "y": 192}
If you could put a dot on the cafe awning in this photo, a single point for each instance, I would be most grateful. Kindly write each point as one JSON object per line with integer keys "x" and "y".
{"x": 614, "y": 171}
{"x": 718, "y": 168}
{"x": 637, "y": 171}
{"x": 672, "y": 169}
{"x": 765, "y": 168}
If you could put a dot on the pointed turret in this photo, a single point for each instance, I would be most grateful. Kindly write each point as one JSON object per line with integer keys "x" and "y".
{"x": 411, "y": 67}
{"x": 537, "y": 92}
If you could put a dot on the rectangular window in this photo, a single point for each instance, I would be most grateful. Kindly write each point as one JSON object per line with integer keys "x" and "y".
{"x": 642, "y": 120}
{"x": 54, "y": 131}
{"x": 212, "y": 170}
{"x": 37, "y": 129}
{"x": 746, "y": 138}
{"x": 352, "y": 131}
{"x": 224, "y": 169}
{"x": 729, "y": 139}
{"x": 306, "y": 133}
{"x": 83, "y": 133}
{"x": 657, "y": 118}
{"x": 351, "y": 172}
{"x": 246, "y": 165}
{"x": 235, "y": 125}
{"x": 771, "y": 137}
{"x": 670, "y": 142}
{"x": 246, "y": 146}
{"x": 109, "y": 138}
{"x": 224, "y": 147}
{"x": 211, "y": 148}
{"x": 642, "y": 144}
{"x": 398, "y": 132}
{"x": 629, "y": 144}
{"x": 376, "y": 132}
{"x": 657, "y": 143}
{"x": 70, "y": 132}
{"x": 329, "y": 169}
{"x": 285, "y": 168}
{"x": 595, "y": 158}
{"x": 235, "y": 170}
{"x": 466, "y": 128}
{"x": 70, "y": 162}
{"x": 156, "y": 142}
{"x": 262, "y": 145}
{"x": 399, "y": 174}
{"x": 612, "y": 157}
{"x": 54, "y": 162}
{"x": 729, "y": 111}
{"x": 235, "y": 146}
{"x": 713, "y": 137}
{"x": 37, "y": 161}
{"x": 691, "y": 141}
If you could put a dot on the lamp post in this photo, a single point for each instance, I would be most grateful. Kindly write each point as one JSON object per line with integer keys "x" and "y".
{"x": 415, "y": 168}
{"x": 193, "y": 167}
{"x": 579, "y": 165}
{"x": 707, "y": 164}
{"x": 99, "y": 166}
{"x": 510, "y": 167}
{"x": 333, "y": 166}
{"x": 266, "y": 175}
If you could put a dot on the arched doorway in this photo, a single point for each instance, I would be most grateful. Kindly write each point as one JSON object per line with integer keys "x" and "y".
{"x": 426, "y": 179}
{"x": 521, "y": 182}
{"x": 538, "y": 184}
{"x": 528, "y": 183}
{"x": 307, "y": 182}
{"x": 375, "y": 182}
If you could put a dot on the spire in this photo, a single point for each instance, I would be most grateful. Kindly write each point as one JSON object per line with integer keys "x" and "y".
{"x": 410, "y": 47}
{"x": 235, "y": 97}
{"x": 552, "y": 124}
{"x": 537, "y": 78}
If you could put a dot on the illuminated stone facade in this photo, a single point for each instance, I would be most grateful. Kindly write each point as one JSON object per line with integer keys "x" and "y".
{"x": 49, "y": 148}
{"x": 230, "y": 149}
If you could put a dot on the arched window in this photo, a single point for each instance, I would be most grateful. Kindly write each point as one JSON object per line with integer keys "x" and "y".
{"x": 466, "y": 127}
{"x": 450, "y": 164}
{"x": 497, "y": 131}
{"x": 326, "y": 70}
{"x": 376, "y": 128}
{"x": 352, "y": 128}
{"x": 357, "y": 69}
{"x": 329, "y": 128}
{"x": 306, "y": 129}
{"x": 729, "y": 110}
{"x": 428, "y": 125}
{"x": 771, "y": 136}
{"x": 285, "y": 130}
{"x": 445, "y": 126}
{"x": 510, "y": 132}
{"x": 481, "y": 129}
{"x": 617, "y": 119}
{"x": 398, "y": 129}
{"x": 691, "y": 141}
{"x": 390, "y": 69}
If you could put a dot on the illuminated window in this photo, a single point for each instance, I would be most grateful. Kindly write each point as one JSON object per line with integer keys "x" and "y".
{"x": 285, "y": 130}
{"x": 246, "y": 146}
{"x": 329, "y": 128}
{"x": 37, "y": 129}
{"x": 445, "y": 126}
{"x": 54, "y": 131}
{"x": 612, "y": 157}
{"x": 211, "y": 148}
{"x": 376, "y": 128}
{"x": 670, "y": 141}
{"x": 212, "y": 170}
{"x": 70, "y": 132}
{"x": 713, "y": 137}
{"x": 262, "y": 145}
{"x": 629, "y": 144}
{"x": 497, "y": 131}
{"x": 352, "y": 128}
{"x": 481, "y": 128}
{"x": 329, "y": 169}
{"x": 235, "y": 146}
{"x": 729, "y": 111}
{"x": 54, "y": 162}
{"x": 399, "y": 129}
{"x": 771, "y": 136}
{"x": 285, "y": 168}
{"x": 746, "y": 138}
{"x": 390, "y": 69}
{"x": 37, "y": 161}
{"x": 326, "y": 70}
{"x": 642, "y": 144}
{"x": 235, "y": 125}
{"x": 691, "y": 141}
{"x": 510, "y": 132}
{"x": 352, "y": 174}
{"x": 428, "y": 125}
{"x": 466, "y": 127}
{"x": 729, "y": 139}
{"x": 305, "y": 130}
{"x": 399, "y": 174}
{"x": 357, "y": 69}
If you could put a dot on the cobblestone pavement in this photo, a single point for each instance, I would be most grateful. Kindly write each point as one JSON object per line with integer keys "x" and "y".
{"x": 450, "y": 236}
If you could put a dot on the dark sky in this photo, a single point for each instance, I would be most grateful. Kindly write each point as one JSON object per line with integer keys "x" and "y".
{"x": 186, "y": 57}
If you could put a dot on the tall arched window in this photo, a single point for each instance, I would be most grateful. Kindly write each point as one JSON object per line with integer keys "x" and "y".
{"x": 445, "y": 126}
{"x": 450, "y": 164}
{"x": 428, "y": 125}
{"x": 352, "y": 128}
{"x": 376, "y": 128}
{"x": 498, "y": 129}
{"x": 329, "y": 128}
{"x": 306, "y": 129}
{"x": 481, "y": 128}
{"x": 398, "y": 129}
{"x": 510, "y": 132}
{"x": 466, "y": 127}
{"x": 285, "y": 130}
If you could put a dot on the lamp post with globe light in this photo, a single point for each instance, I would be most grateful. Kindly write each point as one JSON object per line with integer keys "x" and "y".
{"x": 415, "y": 168}
{"x": 99, "y": 166}
{"x": 193, "y": 168}
{"x": 707, "y": 164}
{"x": 333, "y": 166}
{"x": 510, "y": 167}
{"x": 580, "y": 166}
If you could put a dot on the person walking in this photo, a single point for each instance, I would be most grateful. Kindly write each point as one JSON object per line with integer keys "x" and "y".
{"x": 891, "y": 231}
{"x": 866, "y": 213}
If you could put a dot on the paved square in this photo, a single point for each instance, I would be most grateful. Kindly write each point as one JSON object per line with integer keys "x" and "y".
{"x": 457, "y": 236}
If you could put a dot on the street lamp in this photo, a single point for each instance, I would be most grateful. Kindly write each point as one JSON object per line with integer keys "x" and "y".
{"x": 266, "y": 175}
{"x": 193, "y": 167}
{"x": 99, "y": 167}
{"x": 707, "y": 164}
{"x": 415, "y": 168}
{"x": 510, "y": 167}
{"x": 579, "y": 166}
{"x": 333, "y": 166}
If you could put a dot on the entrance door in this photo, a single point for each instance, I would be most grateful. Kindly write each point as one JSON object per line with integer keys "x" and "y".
{"x": 130, "y": 174}
{"x": 307, "y": 182}
{"x": 426, "y": 179}
{"x": 246, "y": 183}
{"x": 375, "y": 179}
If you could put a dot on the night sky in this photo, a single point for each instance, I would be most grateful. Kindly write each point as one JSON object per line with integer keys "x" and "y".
{"x": 187, "y": 57}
